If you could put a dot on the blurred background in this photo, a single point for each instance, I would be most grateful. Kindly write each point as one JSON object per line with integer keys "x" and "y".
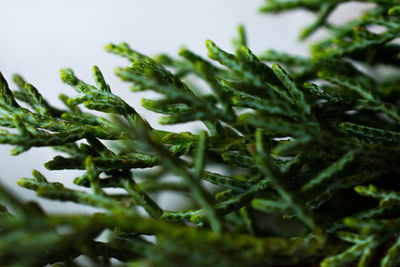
{"x": 39, "y": 37}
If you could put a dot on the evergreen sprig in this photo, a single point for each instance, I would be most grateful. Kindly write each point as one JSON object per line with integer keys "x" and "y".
{"x": 290, "y": 146}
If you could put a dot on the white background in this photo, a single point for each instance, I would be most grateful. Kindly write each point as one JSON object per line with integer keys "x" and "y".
{"x": 39, "y": 37}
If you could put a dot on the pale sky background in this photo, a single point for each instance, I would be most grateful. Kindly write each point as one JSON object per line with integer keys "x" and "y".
{"x": 39, "y": 37}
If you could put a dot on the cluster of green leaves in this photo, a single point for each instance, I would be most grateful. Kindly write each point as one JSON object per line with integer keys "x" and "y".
{"x": 296, "y": 145}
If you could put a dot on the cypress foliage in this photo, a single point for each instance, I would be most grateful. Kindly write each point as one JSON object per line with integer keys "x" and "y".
{"x": 307, "y": 153}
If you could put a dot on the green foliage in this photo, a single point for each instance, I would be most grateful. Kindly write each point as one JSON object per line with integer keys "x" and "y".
{"x": 295, "y": 145}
